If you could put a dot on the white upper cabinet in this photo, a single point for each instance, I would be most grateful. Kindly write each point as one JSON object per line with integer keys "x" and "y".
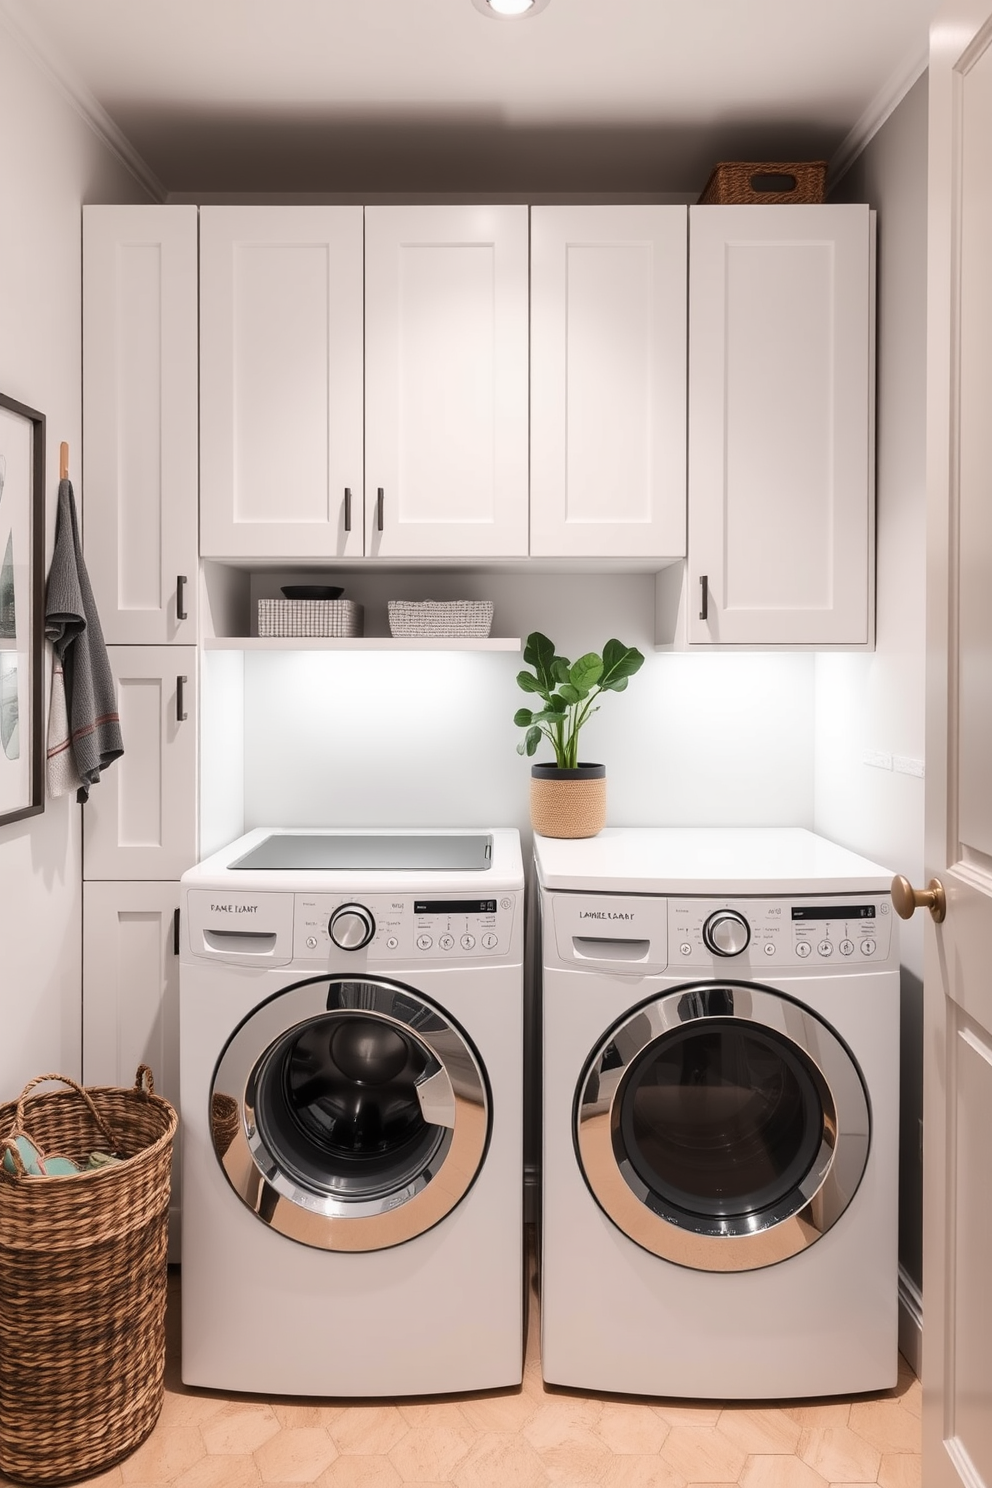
{"x": 608, "y": 381}
{"x": 139, "y": 488}
{"x": 446, "y": 439}
{"x": 281, "y": 382}
{"x": 781, "y": 395}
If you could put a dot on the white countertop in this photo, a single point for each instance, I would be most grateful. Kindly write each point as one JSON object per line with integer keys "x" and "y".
{"x": 705, "y": 860}
{"x": 504, "y": 874}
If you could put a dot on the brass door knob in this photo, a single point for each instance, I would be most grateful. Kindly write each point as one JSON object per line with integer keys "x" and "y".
{"x": 906, "y": 900}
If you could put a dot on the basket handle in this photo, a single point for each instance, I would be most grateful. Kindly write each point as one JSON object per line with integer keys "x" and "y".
{"x": 144, "y": 1080}
{"x": 18, "y": 1128}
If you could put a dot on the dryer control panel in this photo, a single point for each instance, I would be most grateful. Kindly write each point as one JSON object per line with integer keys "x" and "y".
{"x": 823, "y": 931}
{"x": 407, "y": 927}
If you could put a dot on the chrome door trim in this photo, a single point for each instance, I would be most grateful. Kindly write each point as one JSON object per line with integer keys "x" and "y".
{"x": 455, "y": 1097}
{"x": 746, "y": 1244}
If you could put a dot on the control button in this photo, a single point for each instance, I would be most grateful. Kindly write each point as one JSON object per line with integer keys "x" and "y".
{"x": 467, "y": 942}
{"x": 867, "y": 948}
{"x": 883, "y": 908}
{"x": 803, "y": 949}
{"x": 825, "y": 948}
{"x": 726, "y": 933}
{"x": 351, "y": 927}
{"x": 769, "y": 948}
{"x": 846, "y": 947}
{"x": 489, "y": 940}
{"x": 311, "y": 942}
{"x": 685, "y": 948}
{"x": 506, "y": 904}
{"x": 392, "y": 943}
{"x": 446, "y": 942}
{"x": 424, "y": 942}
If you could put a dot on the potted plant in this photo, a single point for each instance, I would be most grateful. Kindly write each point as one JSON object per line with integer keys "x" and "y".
{"x": 568, "y": 796}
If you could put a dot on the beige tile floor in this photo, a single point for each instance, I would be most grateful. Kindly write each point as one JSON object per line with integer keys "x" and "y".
{"x": 522, "y": 1438}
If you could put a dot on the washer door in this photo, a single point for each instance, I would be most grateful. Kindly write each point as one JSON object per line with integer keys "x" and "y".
{"x": 350, "y": 1115}
{"x": 724, "y": 1127}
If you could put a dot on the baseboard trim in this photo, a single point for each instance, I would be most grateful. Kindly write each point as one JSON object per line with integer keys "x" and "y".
{"x": 910, "y": 1322}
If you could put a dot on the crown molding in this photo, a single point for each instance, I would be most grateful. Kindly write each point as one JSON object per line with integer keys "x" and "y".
{"x": 885, "y": 102}
{"x": 32, "y": 41}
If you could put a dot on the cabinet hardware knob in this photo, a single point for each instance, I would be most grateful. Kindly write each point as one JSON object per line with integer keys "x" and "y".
{"x": 704, "y": 597}
{"x": 181, "y": 597}
{"x": 379, "y": 502}
{"x": 906, "y": 900}
{"x": 347, "y": 508}
{"x": 181, "y": 714}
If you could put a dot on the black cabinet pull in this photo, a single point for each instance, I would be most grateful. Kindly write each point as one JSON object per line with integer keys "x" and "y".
{"x": 180, "y": 710}
{"x": 347, "y": 508}
{"x": 378, "y": 509}
{"x": 180, "y": 597}
{"x": 175, "y": 932}
{"x": 704, "y": 604}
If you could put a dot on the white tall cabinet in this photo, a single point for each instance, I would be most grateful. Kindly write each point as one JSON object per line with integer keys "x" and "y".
{"x": 781, "y": 389}
{"x": 139, "y": 510}
{"x": 608, "y": 381}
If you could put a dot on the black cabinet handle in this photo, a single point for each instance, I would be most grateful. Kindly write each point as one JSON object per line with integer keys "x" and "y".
{"x": 175, "y": 932}
{"x": 704, "y": 604}
{"x": 180, "y": 710}
{"x": 378, "y": 509}
{"x": 180, "y": 597}
{"x": 347, "y": 508}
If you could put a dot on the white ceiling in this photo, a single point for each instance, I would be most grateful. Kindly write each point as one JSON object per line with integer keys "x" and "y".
{"x": 420, "y": 96}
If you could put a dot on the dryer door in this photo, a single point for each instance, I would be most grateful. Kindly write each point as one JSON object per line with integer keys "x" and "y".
{"x": 722, "y": 1126}
{"x": 350, "y": 1114}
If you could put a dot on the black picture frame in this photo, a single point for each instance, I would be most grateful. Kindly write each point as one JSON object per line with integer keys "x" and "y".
{"x": 22, "y": 610}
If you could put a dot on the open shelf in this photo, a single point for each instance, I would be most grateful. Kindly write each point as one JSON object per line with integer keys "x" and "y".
{"x": 361, "y": 643}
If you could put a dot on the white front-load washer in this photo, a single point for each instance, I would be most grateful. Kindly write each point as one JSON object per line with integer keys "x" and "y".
{"x": 721, "y": 1090}
{"x": 351, "y": 1020}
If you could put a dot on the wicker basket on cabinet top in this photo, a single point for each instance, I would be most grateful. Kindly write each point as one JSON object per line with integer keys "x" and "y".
{"x": 742, "y": 182}
{"x": 431, "y": 617}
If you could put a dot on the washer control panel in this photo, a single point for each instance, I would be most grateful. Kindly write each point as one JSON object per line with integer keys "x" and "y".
{"x": 826, "y": 931}
{"x": 394, "y": 927}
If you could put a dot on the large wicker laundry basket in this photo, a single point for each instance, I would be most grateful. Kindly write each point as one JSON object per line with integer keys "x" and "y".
{"x": 83, "y": 1274}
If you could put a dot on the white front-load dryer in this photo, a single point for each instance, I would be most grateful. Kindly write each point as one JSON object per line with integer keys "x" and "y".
{"x": 351, "y": 1017}
{"x": 721, "y": 1047}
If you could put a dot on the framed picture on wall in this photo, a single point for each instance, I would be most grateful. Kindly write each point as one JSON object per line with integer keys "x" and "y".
{"x": 22, "y": 609}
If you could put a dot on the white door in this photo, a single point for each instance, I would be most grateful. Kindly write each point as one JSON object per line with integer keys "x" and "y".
{"x": 140, "y": 413}
{"x": 140, "y": 822}
{"x": 280, "y": 382}
{"x": 780, "y": 450}
{"x": 446, "y": 298}
{"x": 131, "y": 991}
{"x": 608, "y": 347}
{"x": 957, "y": 1336}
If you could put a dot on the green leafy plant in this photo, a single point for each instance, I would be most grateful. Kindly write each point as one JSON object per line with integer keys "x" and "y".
{"x": 569, "y": 691}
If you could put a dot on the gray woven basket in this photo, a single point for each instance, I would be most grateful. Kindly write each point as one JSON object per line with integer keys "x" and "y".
{"x": 310, "y": 617}
{"x": 432, "y": 617}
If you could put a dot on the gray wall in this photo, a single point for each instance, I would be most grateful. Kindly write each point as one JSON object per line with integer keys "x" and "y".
{"x": 873, "y": 705}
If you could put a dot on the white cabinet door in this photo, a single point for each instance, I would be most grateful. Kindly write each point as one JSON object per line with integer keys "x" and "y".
{"x": 780, "y": 421}
{"x": 446, "y": 381}
{"x": 608, "y": 381}
{"x": 131, "y": 990}
{"x": 281, "y": 382}
{"x": 140, "y": 821}
{"x": 139, "y": 488}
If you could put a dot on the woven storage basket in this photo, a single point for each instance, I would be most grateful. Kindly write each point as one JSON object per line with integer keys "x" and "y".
{"x": 434, "y": 617}
{"x": 739, "y": 182}
{"x": 310, "y": 617}
{"x": 83, "y": 1271}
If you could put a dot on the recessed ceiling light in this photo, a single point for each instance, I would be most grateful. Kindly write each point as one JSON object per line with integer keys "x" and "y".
{"x": 509, "y": 10}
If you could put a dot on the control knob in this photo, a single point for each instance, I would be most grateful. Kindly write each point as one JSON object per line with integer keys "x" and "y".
{"x": 351, "y": 926}
{"x": 726, "y": 933}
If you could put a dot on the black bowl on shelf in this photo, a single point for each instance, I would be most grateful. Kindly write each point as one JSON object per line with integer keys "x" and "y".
{"x": 312, "y": 591}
